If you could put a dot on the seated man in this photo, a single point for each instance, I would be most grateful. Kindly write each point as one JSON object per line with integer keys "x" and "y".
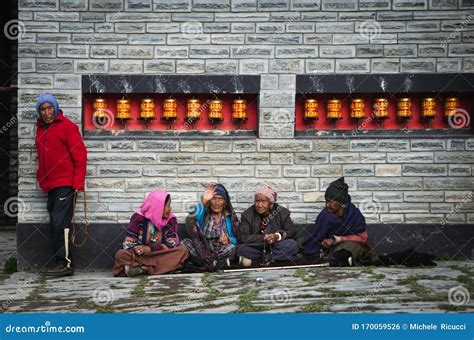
{"x": 266, "y": 232}
{"x": 340, "y": 229}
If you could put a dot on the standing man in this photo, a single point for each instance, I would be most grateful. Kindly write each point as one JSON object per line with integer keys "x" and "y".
{"x": 62, "y": 159}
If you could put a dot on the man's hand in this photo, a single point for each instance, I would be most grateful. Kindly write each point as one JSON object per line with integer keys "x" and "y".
{"x": 224, "y": 239}
{"x": 270, "y": 238}
{"x": 327, "y": 243}
{"x": 142, "y": 250}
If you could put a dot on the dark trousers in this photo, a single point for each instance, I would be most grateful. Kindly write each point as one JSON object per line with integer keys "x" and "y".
{"x": 284, "y": 250}
{"x": 60, "y": 206}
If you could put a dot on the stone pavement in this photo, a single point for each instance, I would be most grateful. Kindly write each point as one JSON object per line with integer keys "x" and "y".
{"x": 445, "y": 288}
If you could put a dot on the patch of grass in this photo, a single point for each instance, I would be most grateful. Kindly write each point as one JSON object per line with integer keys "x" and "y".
{"x": 10, "y": 265}
{"x": 443, "y": 257}
{"x": 367, "y": 270}
{"x": 316, "y": 307}
{"x": 38, "y": 290}
{"x": 379, "y": 276}
{"x": 419, "y": 290}
{"x": 84, "y": 303}
{"x": 139, "y": 290}
{"x": 467, "y": 278}
{"x": 246, "y": 303}
{"x": 304, "y": 275}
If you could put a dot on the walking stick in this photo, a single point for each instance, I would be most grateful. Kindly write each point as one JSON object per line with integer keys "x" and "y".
{"x": 86, "y": 223}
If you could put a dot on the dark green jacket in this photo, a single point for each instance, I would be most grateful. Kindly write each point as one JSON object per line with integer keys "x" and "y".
{"x": 280, "y": 221}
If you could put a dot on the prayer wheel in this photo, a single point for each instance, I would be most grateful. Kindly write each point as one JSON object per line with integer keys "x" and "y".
{"x": 451, "y": 105}
{"x": 170, "y": 111}
{"x": 404, "y": 108}
{"x": 311, "y": 110}
{"x": 357, "y": 109}
{"x": 147, "y": 111}
{"x": 193, "y": 109}
{"x": 239, "y": 111}
{"x": 429, "y": 108}
{"x": 100, "y": 115}
{"x": 216, "y": 114}
{"x": 381, "y": 108}
{"x": 123, "y": 111}
{"x": 380, "y": 111}
{"x": 334, "y": 109}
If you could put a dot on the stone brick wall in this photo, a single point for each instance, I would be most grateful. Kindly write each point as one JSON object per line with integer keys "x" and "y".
{"x": 394, "y": 180}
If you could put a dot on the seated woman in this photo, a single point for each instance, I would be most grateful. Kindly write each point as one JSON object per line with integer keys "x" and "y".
{"x": 340, "y": 229}
{"x": 266, "y": 232}
{"x": 151, "y": 245}
{"x": 211, "y": 229}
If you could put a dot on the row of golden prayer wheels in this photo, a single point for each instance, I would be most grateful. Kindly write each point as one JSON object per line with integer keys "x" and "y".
{"x": 194, "y": 110}
{"x": 380, "y": 108}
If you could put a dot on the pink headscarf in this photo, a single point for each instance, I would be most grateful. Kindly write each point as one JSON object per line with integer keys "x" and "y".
{"x": 268, "y": 192}
{"x": 153, "y": 206}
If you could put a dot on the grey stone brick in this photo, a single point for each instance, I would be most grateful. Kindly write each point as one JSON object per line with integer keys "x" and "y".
{"x": 73, "y": 51}
{"x": 144, "y": 184}
{"x": 459, "y": 170}
{"x": 36, "y": 50}
{"x": 357, "y": 16}
{"x": 222, "y": 66}
{"x": 102, "y": 51}
{"x": 270, "y": 98}
{"x": 393, "y": 145}
{"x": 107, "y": 27}
{"x": 271, "y": 28}
{"x": 331, "y": 145}
{"x": 456, "y": 144}
{"x": 90, "y": 66}
{"x": 448, "y": 65}
{"x": 273, "y": 5}
{"x": 122, "y": 171}
{"x": 449, "y": 183}
{"x": 353, "y": 66}
{"x": 252, "y": 52}
{"x": 130, "y": 27}
{"x": 337, "y": 51}
{"x": 424, "y": 170}
{"x": 38, "y": 26}
{"x": 110, "y": 5}
{"x": 190, "y": 66}
{"x": 271, "y": 171}
{"x": 341, "y": 157}
{"x": 92, "y": 17}
{"x": 105, "y": 38}
{"x": 160, "y": 170}
{"x": 138, "y": 5}
{"x": 172, "y": 52}
{"x": 135, "y": 52}
{"x": 317, "y": 39}
{"x": 207, "y": 52}
{"x": 412, "y": 157}
{"x": 279, "y": 184}
{"x": 286, "y": 66}
{"x": 318, "y": 16}
{"x": 138, "y": 17}
{"x": 389, "y": 183}
{"x": 425, "y": 38}
{"x": 211, "y": 5}
{"x": 461, "y": 50}
{"x": 388, "y": 196}
{"x": 75, "y": 27}
{"x": 211, "y": 27}
{"x": 363, "y": 145}
{"x": 423, "y": 26}
{"x": 339, "y": 5}
{"x": 121, "y": 158}
{"x": 233, "y": 171}
{"x": 194, "y": 171}
{"x": 282, "y": 158}
{"x": 320, "y": 66}
{"x": 383, "y": 38}
{"x": 227, "y": 39}
{"x": 163, "y": 28}
{"x": 374, "y": 5}
{"x": 335, "y": 27}
{"x": 269, "y": 82}
{"x": 73, "y": 5}
{"x": 427, "y": 145}
{"x": 385, "y": 65}
{"x": 305, "y": 5}
{"x": 326, "y": 170}
{"x": 276, "y": 130}
{"x": 300, "y": 27}
{"x": 369, "y": 51}
{"x": 245, "y": 27}
{"x": 107, "y": 185}
{"x": 418, "y": 65}
{"x": 297, "y": 171}
{"x": 255, "y": 158}
{"x": 53, "y": 38}
{"x": 358, "y": 170}
{"x": 409, "y": 4}
{"x": 311, "y": 158}
{"x": 253, "y": 66}
{"x": 432, "y": 51}
{"x": 242, "y": 17}
{"x": 172, "y": 5}
{"x": 282, "y": 39}
{"x": 400, "y": 50}
{"x": 284, "y": 146}
{"x": 425, "y": 196}
{"x": 454, "y": 157}
{"x": 243, "y": 5}
{"x": 217, "y": 159}
{"x": 56, "y": 16}
{"x": 245, "y": 146}
{"x": 54, "y": 65}
{"x": 218, "y": 146}
{"x": 176, "y": 159}
{"x": 296, "y": 52}
{"x": 40, "y": 5}
{"x": 305, "y": 184}
{"x": 67, "y": 81}
{"x": 409, "y": 207}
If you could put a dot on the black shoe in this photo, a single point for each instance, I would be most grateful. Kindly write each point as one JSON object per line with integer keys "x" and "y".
{"x": 59, "y": 271}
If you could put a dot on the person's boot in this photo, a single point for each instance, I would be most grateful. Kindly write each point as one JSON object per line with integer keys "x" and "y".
{"x": 59, "y": 271}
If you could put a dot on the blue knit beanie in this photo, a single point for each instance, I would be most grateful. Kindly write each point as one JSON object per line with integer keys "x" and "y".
{"x": 47, "y": 98}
